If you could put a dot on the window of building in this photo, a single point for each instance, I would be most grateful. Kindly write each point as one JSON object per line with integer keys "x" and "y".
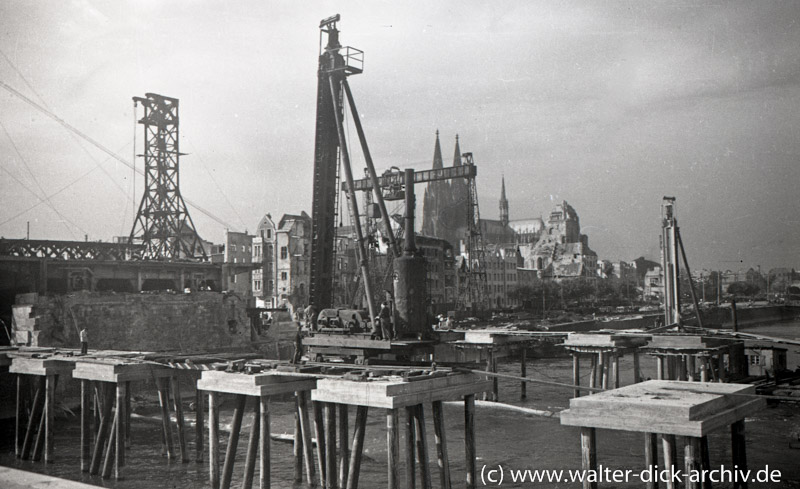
{"x": 269, "y": 233}
{"x": 233, "y": 277}
{"x": 271, "y": 284}
{"x": 284, "y": 252}
{"x": 233, "y": 247}
{"x": 755, "y": 359}
{"x": 257, "y": 285}
{"x": 284, "y": 276}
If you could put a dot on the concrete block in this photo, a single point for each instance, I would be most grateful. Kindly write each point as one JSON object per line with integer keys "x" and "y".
{"x": 22, "y": 337}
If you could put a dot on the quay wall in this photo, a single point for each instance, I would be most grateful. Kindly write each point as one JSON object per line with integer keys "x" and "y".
{"x": 638, "y": 322}
{"x": 131, "y": 321}
{"x": 723, "y": 316}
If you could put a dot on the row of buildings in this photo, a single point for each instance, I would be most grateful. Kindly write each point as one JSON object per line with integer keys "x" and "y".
{"x": 273, "y": 264}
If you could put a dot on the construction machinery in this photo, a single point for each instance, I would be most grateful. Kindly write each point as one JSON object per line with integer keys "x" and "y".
{"x": 347, "y": 332}
{"x": 347, "y": 337}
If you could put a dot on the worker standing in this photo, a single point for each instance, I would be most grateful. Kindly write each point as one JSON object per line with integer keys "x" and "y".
{"x": 84, "y": 335}
{"x": 385, "y": 318}
{"x": 298, "y": 344}
{"x": 311, "y": 318}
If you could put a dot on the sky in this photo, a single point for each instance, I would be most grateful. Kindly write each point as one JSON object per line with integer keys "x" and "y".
{"x": 607, "y": 105}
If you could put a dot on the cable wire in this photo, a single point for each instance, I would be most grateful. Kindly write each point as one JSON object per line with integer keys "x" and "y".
{"x": 98, "y": 145}
{"x": 216, "y": 184}
{"x": 42, "y": 201}
{"x": 47, "y": 200}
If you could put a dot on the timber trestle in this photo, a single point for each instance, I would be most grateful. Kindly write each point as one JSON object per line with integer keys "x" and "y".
{"x": 403, "y": 397}
{"x": 323, "y": 394}
{"x": 106, "y": 384}
{"x": 105, "y": 400}
{"x": 603, "y": 351}
{"x": 35, "y": 404}
{"x": 257, "y": 387}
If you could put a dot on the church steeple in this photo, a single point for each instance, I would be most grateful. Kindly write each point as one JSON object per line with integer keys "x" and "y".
{"x": 436, "y": 198}
{"x": 437, "y": 154}
{"x": 503, "y": 204}
{"x": 457, "y": 154}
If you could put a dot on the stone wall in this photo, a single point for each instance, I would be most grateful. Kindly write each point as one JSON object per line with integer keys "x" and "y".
{"x": 129, "y": 321}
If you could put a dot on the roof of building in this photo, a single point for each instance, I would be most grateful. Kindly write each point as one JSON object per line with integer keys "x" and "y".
{"x": 531, "y": 225}
{"x": 289, "y": 218}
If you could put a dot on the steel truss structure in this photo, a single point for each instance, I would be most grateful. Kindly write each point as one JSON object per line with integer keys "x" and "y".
{"x": 163, "y": 225}
{"x": 68, "y": 250}
{"x": 473, "y": 290}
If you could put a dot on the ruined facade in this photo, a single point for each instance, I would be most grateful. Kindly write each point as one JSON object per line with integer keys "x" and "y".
{"x": 527, "y": 230}
{"x": 280, "y": 260}
{"x": 264, "y": 258}
{"x": 235, "y": 255}
{"x": 293, "y": 264}
{"x": 561, "y": 250}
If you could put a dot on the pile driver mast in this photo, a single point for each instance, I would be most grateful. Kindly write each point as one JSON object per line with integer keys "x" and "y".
{"x": 336, "y": 63}
{"x": 671, "y": 246}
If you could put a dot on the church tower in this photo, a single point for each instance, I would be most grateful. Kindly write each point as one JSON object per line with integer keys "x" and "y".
{"x": 503, "y": 205}
{"x": 459, "y": 196}
{"x": 436, "y": 197}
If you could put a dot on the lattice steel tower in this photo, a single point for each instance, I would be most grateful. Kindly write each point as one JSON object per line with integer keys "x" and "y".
{"x": 163, "y": 224}
{"x": 473, "y": 291}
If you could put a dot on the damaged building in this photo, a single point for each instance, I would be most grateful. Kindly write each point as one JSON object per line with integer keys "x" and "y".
{"x": 561, "y": 250}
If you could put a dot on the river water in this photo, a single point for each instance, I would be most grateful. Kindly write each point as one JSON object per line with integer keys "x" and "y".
{"x": 509, "y": 439}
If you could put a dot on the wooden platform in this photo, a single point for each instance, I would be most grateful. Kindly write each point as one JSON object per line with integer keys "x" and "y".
{"x": 686, "y": 343}
{"x": 52, "y": 365}
{"x": 118, "y": 370}
{"x": 261, "y": 384}
{"x": 397, "y": 392}
{"x": 576, "y": 341}
{"x": 663, "y": 406}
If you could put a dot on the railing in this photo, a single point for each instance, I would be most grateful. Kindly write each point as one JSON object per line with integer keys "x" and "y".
{"x": 353, "y": 59}
{"x": 68, "y": 250}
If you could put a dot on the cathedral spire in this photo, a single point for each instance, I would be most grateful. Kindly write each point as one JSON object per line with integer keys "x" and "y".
{"x": 457, "y": 154}
{"x": 503, "y": 204}
{"x": 437, "y": 154}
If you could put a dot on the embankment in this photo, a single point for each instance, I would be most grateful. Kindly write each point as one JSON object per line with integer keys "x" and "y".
{"x": 130, "y": 321}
